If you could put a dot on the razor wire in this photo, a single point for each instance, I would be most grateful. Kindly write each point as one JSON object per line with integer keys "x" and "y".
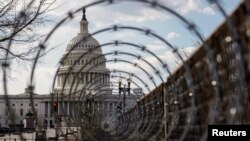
{"x": 160, "y": 112}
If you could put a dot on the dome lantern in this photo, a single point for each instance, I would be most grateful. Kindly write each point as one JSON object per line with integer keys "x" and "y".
{"x": 84, "y": 23}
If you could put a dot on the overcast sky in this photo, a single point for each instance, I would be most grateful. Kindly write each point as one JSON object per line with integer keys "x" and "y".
{"x": 203, "y": 14}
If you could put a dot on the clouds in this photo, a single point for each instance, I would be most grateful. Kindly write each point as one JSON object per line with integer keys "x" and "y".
{"x": 141, "y": 13}
{"x": 170, "y": 58}
{"x": 156, "y": 47}
{"x": 125, "y": 34}
{"x": 165, "y": 55}
{"x": 142, "y": 16}
{"x": 208, "y": 11}
{"x": 138, "y": 13}
{"x": 172, "y": 35}
{"x": 138, "y": 16}
{"x": 20, "y": 80}
{"x": 187, "y": 6}
{"x": 191, "y": 5}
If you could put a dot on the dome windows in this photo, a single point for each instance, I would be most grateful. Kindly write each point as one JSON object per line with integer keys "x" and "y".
{"x": 80, "y": 43}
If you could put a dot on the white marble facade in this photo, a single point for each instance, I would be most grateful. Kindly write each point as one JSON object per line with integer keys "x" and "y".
{"x": 21, "y": 105}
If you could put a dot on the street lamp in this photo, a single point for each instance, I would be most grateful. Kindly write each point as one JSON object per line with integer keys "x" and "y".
{"x": 90, "y": 108}
{"x": 124, "y": 90}
{"x": 129, "y": 80}
{"x": 55, "y": 107}
{"x": 120, "y": 84}
{"x": 93, "y": 103}
{"x": 35, "y": 129}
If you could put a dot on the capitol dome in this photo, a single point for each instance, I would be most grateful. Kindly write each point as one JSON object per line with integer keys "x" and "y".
{"x": 83, "y": 42}
{"x": 80, "y": 67}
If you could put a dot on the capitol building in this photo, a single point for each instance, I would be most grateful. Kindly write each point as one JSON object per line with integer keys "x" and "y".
{"x": 82, "y": 75}
{"x": 79, "y": 56}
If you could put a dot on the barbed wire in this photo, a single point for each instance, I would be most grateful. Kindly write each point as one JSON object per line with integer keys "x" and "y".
{"x": 206, "y": 89}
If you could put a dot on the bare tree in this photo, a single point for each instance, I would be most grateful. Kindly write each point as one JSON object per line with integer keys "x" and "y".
{"x": 19, "y": 23}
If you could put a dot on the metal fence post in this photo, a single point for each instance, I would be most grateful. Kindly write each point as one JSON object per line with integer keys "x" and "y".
{"x": 165, "y": 112}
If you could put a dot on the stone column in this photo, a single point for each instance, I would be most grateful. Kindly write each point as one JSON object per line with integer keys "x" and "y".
{"x": 71, "y": 77}
{"x": 85, "y": 78}
{"x": 96, "y": 77}
{"x": 49, "y": 108}
{"x": 68, "y": 78}
{"x": 68, "y": 108}
{"x": 98, "y": 106}
{"x": 107, "y": 108}
{"x": 82, "y": 77}
{"x": 88, "y": 77}
{"x": 108, "y": 79}
{"x": 71, "y": 108}
{"x": 101, "y": 78}
{"x": 58, "y": 79}
{"x": 62, "y": 80}
{"x": 46, "y": 108}
{"x": 103, "y": 108}
{"x": 59, "y": 108}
